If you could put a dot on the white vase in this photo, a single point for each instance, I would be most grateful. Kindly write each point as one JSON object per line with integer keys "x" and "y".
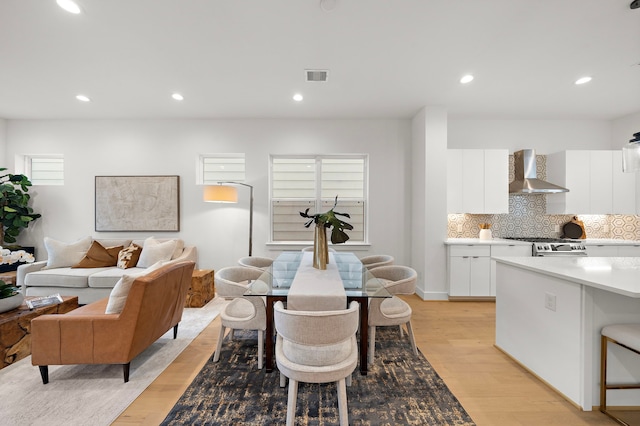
{"x": 12, "y": 302}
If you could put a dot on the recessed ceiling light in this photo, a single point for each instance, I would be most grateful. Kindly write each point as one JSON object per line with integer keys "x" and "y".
{"x": 177, "y": 97}
{"x": 83, "y": 98}
{"x": 297, "y": 97}
{"x": 69, "y": 5}
{"x": 466, "y": 79}
{"x": 583, "y": 80}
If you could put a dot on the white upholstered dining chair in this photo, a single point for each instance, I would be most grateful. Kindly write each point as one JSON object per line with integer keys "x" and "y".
{"x": 255, "y": 262}
{"x": 397, "y": 279}
{"x": 243, "y": 312}
{"x": 376, "y": 260}
{"x": 627, "y": 336}
{"x": 316, "y": 347}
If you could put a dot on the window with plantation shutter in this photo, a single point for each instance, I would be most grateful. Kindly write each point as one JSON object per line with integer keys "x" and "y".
{"x": 313, "y": 182}
{"x": 214, "y": 168}
{"x": 45, "y": 169}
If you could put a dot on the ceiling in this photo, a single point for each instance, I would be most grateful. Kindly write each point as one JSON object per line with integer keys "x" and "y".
{"x": 386, "y": 58}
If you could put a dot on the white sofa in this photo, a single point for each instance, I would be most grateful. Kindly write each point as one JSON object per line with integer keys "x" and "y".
{"x": 89, "y": 284}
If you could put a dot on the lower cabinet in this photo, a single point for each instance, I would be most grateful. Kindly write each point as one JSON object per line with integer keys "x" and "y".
{"x": 613, "y": 250}
{"x": 471, "y": 271}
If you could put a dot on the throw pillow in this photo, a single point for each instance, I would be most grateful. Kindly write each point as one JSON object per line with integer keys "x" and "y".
{"x": 120, "y": 291}
{"x": 155, "y": 251}
{"x": 99, "y": 257}
{"x": 128, "y": 257}
{"x": 62, "y": 255}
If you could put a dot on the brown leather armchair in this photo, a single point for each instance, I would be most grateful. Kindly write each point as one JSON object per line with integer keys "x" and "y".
{"x": 89, "y": 336}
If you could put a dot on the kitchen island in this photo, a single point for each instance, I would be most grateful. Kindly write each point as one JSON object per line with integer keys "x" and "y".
{"x": 549, "y": 313}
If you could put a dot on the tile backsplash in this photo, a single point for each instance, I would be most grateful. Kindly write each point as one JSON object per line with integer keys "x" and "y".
{"x": 527, "y": 218}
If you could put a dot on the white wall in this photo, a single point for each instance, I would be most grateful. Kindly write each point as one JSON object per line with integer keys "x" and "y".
{"x": 3, "y": 143}
{"x": 545, "y": 136}
{"x": 623, "y": 129}
{"x": 171, "y": 147}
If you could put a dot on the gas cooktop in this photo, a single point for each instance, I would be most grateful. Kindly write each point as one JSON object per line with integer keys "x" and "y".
{"x": 543, "y": 240}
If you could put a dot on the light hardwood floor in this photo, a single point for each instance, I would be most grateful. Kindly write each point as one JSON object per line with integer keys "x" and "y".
{"x": 456, "y": 337}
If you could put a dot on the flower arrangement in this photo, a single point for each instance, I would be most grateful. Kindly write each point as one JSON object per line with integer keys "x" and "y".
{"x": 8, "y": 257}
{"x": 329, "y": 219}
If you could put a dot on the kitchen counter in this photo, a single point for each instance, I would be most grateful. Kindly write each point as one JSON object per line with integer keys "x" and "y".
{"x": 494, "y": 241}
{"x": 620, "y": 275}
{"x": 549, "y": 313}
{"x": 609, "y": 241}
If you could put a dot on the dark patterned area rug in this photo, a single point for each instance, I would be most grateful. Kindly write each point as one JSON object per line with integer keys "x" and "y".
{"x": 400, "y": 389}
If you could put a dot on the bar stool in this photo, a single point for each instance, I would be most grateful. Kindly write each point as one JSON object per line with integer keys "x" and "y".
{"x": 627, "y": 336}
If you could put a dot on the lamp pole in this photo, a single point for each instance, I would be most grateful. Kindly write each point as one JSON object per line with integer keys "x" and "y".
{"x": 250, "y": 210}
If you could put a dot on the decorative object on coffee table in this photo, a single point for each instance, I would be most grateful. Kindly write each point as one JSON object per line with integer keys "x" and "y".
{"x": 322, "y": 222}
{"x": 10, "y": 297}
{"x": 202, "y": 289}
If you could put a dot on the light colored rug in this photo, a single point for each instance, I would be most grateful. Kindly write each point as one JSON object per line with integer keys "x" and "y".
{"x": 92, "y": 394}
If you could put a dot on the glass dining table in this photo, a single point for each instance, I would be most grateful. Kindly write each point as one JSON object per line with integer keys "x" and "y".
{"x": 358, "y": 283}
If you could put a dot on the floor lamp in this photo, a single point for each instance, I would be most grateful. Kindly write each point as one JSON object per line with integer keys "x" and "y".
{"x": 224, "y": 193}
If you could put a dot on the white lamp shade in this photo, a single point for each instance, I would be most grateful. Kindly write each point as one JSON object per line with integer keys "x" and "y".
{"x": 631, "y": 157}
{"x": 220, "y": 194}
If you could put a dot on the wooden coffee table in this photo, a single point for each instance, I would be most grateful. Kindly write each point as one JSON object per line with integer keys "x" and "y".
{"x": 15, "y": 328}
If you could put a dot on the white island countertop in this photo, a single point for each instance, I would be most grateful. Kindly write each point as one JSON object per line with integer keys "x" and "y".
{"x": 620, "y": 275}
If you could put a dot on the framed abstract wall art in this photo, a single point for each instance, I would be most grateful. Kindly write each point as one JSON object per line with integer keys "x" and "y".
{"x": 137, "y": 203}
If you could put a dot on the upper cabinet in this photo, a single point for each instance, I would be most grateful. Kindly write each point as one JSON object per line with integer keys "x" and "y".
{"x": 477, "y": 181}
{"x": 595, "y": 181}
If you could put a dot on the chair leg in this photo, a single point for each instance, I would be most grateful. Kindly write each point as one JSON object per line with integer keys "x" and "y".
{"x": 216, "y": 356}
{"x": 125, "y": 369}
{"x": 260, "y": 348}
{"x": 291, "y": 402}
{"x": 44, "y": 373}
{"x": 603, "y": 374}
{"x": 175, "y": 331}
{"x": 372, "y": 342}
{"x": 283, "y": 380}
{"x": 349, "y": 380}
{"x": 411, "y": 338}
{"x": 343, "y": 411}
{"x": 401, "y": 331}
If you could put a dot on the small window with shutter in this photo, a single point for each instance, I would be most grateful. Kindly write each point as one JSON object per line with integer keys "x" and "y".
{"x": 45, "y": 169}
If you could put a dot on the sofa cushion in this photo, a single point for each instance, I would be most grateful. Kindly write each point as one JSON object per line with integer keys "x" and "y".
{"x": 155, "y": 251}
{"x": 176, "y": 253}
{"x": 107, "y": 278}
{"x": 61, "y": 277}
{"x": 118, "y": 296}
{"x": 128, "y": 257}
{"x": 99, "y": 256}
{"x": 60, "y": 255}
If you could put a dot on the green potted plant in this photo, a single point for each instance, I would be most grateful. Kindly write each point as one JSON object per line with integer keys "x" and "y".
{"x": 10, "y": 297}
{"x": 15, "y": 212}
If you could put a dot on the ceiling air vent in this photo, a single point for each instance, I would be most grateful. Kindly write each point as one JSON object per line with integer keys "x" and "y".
{"x": 316, "y": 75}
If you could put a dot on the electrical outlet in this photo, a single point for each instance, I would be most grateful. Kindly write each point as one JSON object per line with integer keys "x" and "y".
{"x": 557, "y": 228}
{"x": 459, "y": 228}
{"x": 550, "y": 301}
{"x": 605, "y": 228}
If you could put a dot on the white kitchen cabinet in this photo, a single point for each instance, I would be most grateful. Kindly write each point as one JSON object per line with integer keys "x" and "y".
{"x": 477, "y": 181}
{"x": 511, "y": 250}
{"x": 469, "y": 271}
{"x": 613, "y": 250}
{"x": 595, "y": 181}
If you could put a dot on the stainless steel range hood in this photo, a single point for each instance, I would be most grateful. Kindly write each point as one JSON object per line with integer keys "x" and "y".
{"x": 525, "y": 179}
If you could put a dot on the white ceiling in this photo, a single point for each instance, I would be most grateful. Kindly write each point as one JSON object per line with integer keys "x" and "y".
{"x": 387, "y": 58}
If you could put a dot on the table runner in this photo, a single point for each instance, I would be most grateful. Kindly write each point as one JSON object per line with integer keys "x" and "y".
{"x": 317, "y": 289}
